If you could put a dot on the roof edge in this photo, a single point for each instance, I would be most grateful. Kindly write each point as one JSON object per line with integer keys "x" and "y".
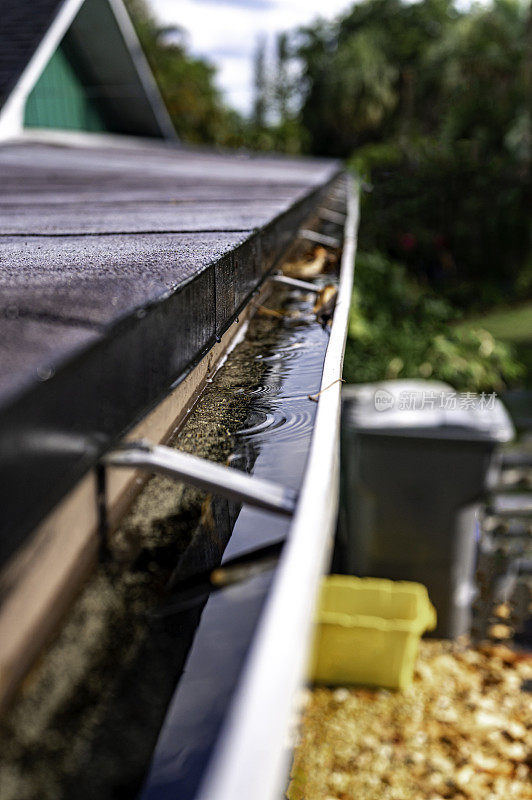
{"x": 146, "y": 77}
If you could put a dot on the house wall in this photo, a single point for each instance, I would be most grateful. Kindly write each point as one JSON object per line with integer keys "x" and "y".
{"x": 63, "y": 98}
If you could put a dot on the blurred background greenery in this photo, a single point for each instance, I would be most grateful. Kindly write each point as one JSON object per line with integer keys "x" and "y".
{"x": 431, "y": 107}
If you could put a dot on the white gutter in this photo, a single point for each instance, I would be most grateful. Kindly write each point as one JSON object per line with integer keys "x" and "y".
{"x": 251, "y": 759}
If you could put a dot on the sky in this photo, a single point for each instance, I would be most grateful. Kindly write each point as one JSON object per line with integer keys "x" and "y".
{"x": 226, "y": 32}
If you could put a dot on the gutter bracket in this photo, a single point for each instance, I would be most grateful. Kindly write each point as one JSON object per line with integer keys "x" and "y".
{"x": 332, "y": 216}
{"x": 203, "y": 474}
{"x": 295, "y": 283}
{"x": 319, "y": 238}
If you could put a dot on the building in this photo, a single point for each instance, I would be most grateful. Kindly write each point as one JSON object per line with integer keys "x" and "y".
{"x": 127, "y": 263}
{"x": 76, "y": 65}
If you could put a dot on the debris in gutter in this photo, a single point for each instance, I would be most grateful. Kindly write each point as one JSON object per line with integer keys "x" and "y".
{"x": 463, "y": 730}
{"x": 314, "y": 397}
{"x": 227, "y": 576}
{"x": 264, "y": 311}
{"x": 305, "y": 268}
{"x": 325, "y": 304}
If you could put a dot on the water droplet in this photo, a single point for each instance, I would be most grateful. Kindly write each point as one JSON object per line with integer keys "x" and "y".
{"x": 45, "y": 373}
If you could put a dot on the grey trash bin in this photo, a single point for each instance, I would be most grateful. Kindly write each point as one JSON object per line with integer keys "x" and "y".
{"x": 415, "y": 460}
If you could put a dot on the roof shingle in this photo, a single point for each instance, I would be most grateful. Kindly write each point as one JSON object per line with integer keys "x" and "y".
{"x": 22, "y": 28}
{"x": 119, "y": 268}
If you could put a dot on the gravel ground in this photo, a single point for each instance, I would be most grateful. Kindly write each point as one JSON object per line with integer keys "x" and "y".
{"x": 463, "y": 730}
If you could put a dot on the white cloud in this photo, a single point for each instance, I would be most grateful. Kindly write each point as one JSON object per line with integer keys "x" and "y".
{"x": 226, "y": 32}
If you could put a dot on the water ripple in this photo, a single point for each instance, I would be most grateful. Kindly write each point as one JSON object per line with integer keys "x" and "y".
{"x": 288, "y": 424}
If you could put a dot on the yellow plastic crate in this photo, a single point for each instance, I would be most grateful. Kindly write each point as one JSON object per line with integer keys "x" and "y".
{"x": 368, "y": 631}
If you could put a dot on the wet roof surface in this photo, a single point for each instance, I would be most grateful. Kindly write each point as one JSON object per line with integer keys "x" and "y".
{"x": 119, "y": 267}
{"x": 89, "y": 235}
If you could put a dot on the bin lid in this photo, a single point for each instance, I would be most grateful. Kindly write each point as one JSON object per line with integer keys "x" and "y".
{"x": 428, "y": 409}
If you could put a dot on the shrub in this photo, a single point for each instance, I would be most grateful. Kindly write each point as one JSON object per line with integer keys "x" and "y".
{"x": 399, "y": 329}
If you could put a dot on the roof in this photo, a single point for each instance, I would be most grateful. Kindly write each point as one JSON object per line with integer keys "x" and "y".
{"x": 119, "y": 268}
{"x": 102, "y": 36}
{"x": 22, "y": 30}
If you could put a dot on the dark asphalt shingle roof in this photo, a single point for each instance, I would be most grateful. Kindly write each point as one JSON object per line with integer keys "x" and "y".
{"x": 94, "y": 281}
{"x": 119, "y": 267}
{"x": 23, "y": 24}
{"x": 89, "y": 234}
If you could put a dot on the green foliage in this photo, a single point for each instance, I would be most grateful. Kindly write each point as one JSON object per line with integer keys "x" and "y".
{"x": 351, "y": 92}
{"x": 453, "y": 217}
{"x": 403, "y": 70}
{"x": 285, "y": 136}
{"x": 375, "y": 55}
{"x": 399, "y": 329}
{"x": 432, "y": 106}
{"x": 479, "y": 64}
{"x": 186, "y": 84}
{"x": 260, "y": 85}
{"x": 195, "y": 105}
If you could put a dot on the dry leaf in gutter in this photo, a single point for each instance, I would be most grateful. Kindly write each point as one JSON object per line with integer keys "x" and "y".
{"x": 325, "y": 303}
{"x": 305, "y": 269}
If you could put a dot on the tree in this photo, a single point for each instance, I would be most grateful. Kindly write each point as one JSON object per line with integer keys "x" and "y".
{"x": 260, "y": 84}
{"x": 187, "y": 84}
{"x": 480, "y": 62}
{"x": 433, "y": 106}
{"x": 370, "y": 66}
{"x": 282, "y": 86}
